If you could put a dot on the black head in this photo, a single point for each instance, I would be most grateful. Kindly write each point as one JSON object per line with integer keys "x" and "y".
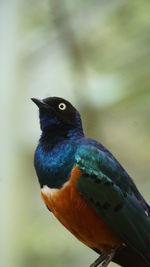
{"x": 57, "y": 112}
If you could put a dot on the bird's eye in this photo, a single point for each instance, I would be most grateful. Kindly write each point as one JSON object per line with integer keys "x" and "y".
{"x": 62, "y": 106}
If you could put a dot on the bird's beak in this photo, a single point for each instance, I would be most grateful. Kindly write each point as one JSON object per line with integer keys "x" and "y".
{"x": 40, "y": 103}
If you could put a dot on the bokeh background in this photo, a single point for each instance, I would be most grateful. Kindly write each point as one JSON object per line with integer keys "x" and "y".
{"x": 97, "y": 55}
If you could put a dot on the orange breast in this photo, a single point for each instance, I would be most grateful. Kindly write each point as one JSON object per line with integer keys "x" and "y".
{"x": 78, "y": 216}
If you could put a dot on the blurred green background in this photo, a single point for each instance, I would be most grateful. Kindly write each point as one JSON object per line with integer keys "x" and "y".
{"x": 97, "y": 55}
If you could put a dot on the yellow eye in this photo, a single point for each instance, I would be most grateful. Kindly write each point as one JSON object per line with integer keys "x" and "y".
{"x": 62, "y": 106}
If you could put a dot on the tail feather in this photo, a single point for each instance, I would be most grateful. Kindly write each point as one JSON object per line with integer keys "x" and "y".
{"x": 126, "y": 257}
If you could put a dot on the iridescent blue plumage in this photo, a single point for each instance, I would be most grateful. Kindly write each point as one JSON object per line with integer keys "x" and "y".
{"x": 50, "y": 164}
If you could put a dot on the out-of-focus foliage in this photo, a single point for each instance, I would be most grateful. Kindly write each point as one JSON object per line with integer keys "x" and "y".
{"x": 94, "y": 53}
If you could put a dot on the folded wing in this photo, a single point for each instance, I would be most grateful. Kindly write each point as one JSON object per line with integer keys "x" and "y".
{"x": 114, "y": 196}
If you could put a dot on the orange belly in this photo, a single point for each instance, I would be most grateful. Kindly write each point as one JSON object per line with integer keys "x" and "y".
{"x": 78, "y": 216}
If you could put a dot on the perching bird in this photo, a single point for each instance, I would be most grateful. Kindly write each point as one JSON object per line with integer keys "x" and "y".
{"x": 87, "y": 189}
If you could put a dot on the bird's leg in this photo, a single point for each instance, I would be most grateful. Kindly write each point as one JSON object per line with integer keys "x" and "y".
{"x": 104, "y": 259}
{"x": 99, "y": 260}
{"x": 108, "y": 258}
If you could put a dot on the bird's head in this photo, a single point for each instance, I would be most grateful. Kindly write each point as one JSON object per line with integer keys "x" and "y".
{"x": 58, "y": 113}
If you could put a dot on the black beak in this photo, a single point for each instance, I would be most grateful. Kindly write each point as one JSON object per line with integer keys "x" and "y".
{"x": 40, "y": 103}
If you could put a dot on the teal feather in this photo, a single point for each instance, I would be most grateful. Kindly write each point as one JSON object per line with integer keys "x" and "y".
{"x": 114, "y": 199}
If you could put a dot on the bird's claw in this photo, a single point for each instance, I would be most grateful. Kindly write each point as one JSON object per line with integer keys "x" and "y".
{"x": 104, "y": 259}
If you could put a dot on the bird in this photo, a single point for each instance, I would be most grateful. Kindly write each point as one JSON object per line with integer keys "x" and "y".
{"x": 88, "y": 190}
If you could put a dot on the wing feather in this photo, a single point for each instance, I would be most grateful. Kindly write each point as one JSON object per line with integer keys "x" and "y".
{"x": 111, "y": 192}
